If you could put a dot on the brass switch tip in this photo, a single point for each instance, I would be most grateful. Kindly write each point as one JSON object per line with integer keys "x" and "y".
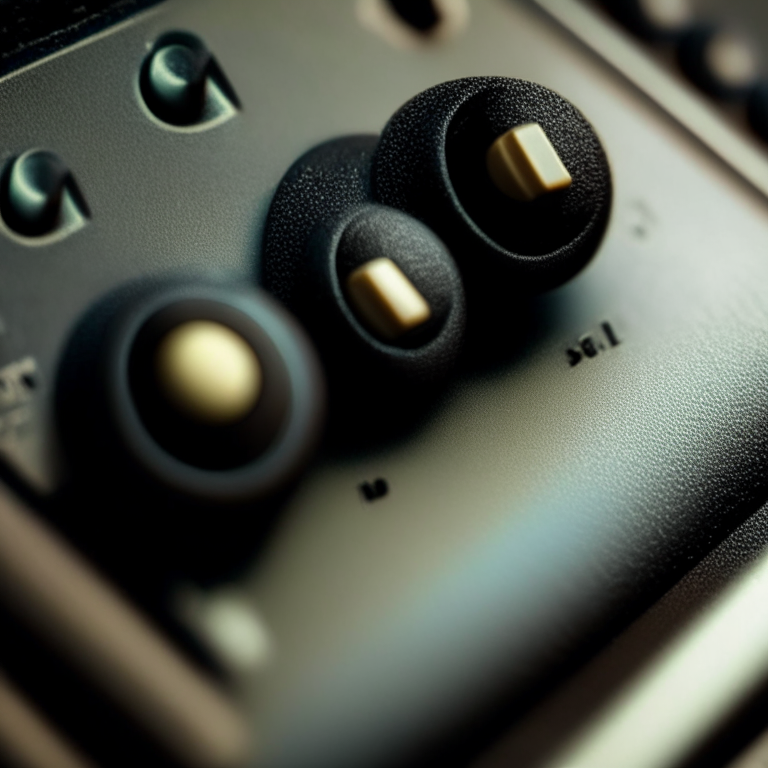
{"x": 208, "y": 372}
{"x": 524, "y": 165}
{"x": 385, "y": 300}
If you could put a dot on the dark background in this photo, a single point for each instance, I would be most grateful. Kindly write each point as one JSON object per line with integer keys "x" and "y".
{"x": 30, "y": 29}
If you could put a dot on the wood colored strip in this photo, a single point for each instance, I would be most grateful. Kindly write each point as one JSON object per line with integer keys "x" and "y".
{"x": 50, "y": 586}
{"x": 27, "y": 740}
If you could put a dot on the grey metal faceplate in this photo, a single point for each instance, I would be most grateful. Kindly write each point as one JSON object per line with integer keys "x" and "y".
{"x": 539, "y": 502}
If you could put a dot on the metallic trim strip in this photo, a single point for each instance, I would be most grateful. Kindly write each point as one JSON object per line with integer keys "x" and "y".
{"x": 45, "y": 582}
{"x": 663, "y": 715}
{"x": 748, "y": 158}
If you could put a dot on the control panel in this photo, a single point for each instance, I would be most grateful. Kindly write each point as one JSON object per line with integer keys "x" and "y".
{"x": 365, "y": 367}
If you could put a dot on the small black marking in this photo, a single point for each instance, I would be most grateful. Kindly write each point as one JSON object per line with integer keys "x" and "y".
{"x": 574, "y": 356}
{"x": 609, "y": 334}
{"x": 375, "y": 490}
{"x": 587, "y": 345}
{"x": 28, "y": 380}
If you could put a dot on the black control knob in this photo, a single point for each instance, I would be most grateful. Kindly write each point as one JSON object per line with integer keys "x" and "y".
{"x": 657, "y": 20}
{"x": 720, "y": 61}
{"x": 509, "y": 175}
{"x": 33, "y": 188}
{"x": 377, "y": 289}
{"x": 213, "y": 395}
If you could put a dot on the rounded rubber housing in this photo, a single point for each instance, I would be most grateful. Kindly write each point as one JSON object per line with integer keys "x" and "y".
{"x": 363, "y": 234}
{"x": 430, "y": 163}
{"x": 321, "y": 225}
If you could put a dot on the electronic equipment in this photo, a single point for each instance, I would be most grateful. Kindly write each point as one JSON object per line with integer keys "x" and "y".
{"x": 366, "y": 368}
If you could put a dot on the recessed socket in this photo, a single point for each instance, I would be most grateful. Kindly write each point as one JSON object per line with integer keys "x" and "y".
{"x": 413, "y": 23}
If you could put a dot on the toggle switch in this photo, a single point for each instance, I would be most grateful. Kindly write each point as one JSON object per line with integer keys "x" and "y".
{"x": 39, "y": 196}
{"x": 182, "y": 84}
{"x": 175, "y": 83}
{"x": 386, "y": 300}
{"x": 524, "y": 165}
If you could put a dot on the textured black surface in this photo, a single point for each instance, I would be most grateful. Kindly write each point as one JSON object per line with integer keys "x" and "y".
{"x": 378, "y": 232}
{"x": 321, "y": 185}
{"x": 430, "y": 162}
{"x": 421, "y": 358}
{"x": 320, "y": 227}
{"x": 31, "y": 29}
